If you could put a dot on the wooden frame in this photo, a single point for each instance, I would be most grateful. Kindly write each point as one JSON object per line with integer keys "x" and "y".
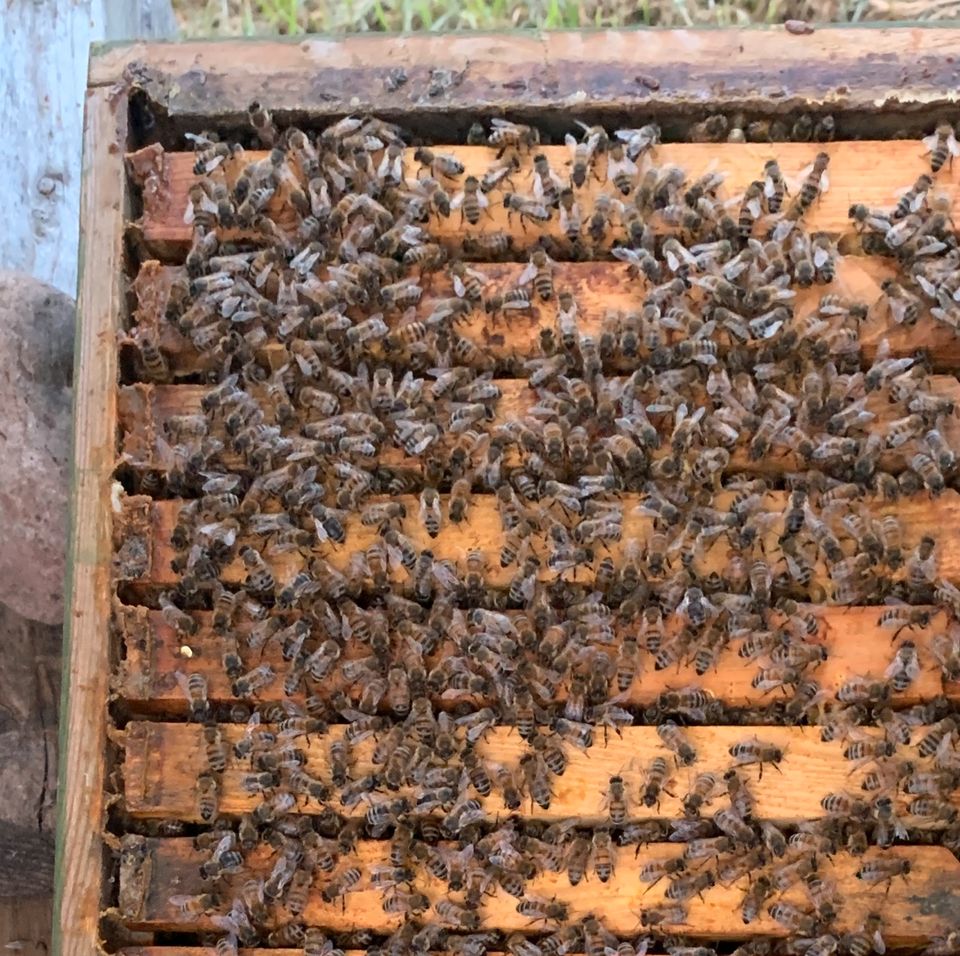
{"x": 87, "y": 654}
{"x": 896, "y": 78}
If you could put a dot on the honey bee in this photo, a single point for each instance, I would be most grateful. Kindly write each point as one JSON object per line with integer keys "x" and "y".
{"x": 581, "y": 156}
{"x": 815, "y": 183}
{"x": 526, "y": 207}
{"x": 942, "y": 145}
{"x": 603, "y": 855}
{"x": 506, "y": 135}
{"x": 471, "y": 201}
{"x": 207, "y": 794}
{"x": 439, "y": 164}
{"x": 678, "y": 742}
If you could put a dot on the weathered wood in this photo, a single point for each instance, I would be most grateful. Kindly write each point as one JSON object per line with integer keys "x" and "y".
{"x": 87, "y": 642}
{"x": 925, "y": 907}
{"x": 25, "y": 925}
{"x": 152, "y": 522}
{"x": 867, "y": 172}
{"x": 856, "y": 645}
{"x": 598, "y": 287}
{"x": 898, "y": 75}
{"x": 145, "y": 410}
{"x": 29, "y": 693}
{"x": 162, "y": 763}
{"x": 46, "y": 46}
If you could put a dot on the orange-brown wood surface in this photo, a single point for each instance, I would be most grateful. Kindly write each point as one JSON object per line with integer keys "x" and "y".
{"x": 153, "y": 522}
{"x": 144, "y": 411}
{"x": 923, "y": 908}
{"x": 598, "y": 287}
{"x": 163, "y": 761}
{"x": 859, "y": 172}
{"x": 855, "y": 642}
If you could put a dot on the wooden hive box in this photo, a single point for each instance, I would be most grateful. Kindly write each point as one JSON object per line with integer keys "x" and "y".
{"x": 131, "y": 824}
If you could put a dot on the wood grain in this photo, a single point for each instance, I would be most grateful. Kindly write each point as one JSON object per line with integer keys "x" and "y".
{"x": 154, "y": 522}
{"x": 856, "y": 645}
{"x": 162, "y": 763}
{"x": 913, "y": 913}
{"x": 144, "y": 410}
{"x": 866, "y": 172}
{"x": 599, "y": 287}
{"x": 898, "y": 75}
{"x": 87, "y": 638}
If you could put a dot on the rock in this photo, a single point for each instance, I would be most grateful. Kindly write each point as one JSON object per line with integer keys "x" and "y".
{"x": 36, "y": 367}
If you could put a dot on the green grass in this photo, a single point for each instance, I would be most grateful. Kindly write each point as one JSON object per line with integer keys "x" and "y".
{"x": 260, "y": 17}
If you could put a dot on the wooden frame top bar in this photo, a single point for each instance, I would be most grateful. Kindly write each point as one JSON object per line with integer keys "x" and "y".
{"x": 899, "y": 70}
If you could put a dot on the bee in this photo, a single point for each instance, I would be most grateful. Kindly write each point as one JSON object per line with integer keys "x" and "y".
{"x": 815, "y": 183}
{"x": 660, "y": 915}
{"x": 678, "y": 742}
{"x": 526, "y": 207}
{"x": 905, "y": 667}
{"x": 471, "y": 201}
{"x": 431, "y": 516}
{"x": 571, "y": 217}
{"x": 536, "y": 779}
{"x": 774, "y": 186}
{"x": 941, "y": 145}
{"x": 487, "y": 245}
{"x": 932, "y": 739}
{"x": 343, "y": 883}
{"x": 759, "y": 891}
{"x": 581, "y": 156}
{"x": 616, "y": 800}
{"x": 194, "y": 687}
{"x": 537, "y": 909}
{"x": 456, "y": 915}
{"x": 506, "y": 135}
{"x": 603, "y": 855}
{"x": 215, "y": 749}
{"x": 750, "y": 208}
{"x": 439, "y": 164}
{"x": 683, "y": 887}
{"x": 539, "y": 272}
{"x": 946, "y": 650}
{"x": 655, "y": 779}
{"x": 884, "y": 870}
{"x": 207, "y": 794}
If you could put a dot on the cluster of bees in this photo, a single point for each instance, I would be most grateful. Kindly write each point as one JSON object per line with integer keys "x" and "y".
{"x": 353, "y": 415}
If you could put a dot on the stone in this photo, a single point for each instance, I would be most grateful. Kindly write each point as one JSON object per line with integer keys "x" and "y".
{"x": 36, "y": 368}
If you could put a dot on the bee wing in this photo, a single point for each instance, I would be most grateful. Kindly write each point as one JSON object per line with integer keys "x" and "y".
{"x": 617, "y": 166}
{"x": 458, "y": 287}
{"x": 953, "y": 146}
{"x": 571, "y": 143}
{"x": 501, "y": 123}
{"x": 457, "y": 201}
{"x": 538, "y": 186}
{"x": 821, "y": 257}
{"x": 898, "y": 309}
{"x": 625, "y": 255}
{"x": 754, "y": 207}
{"x": 183, "y": 683}
{"x": 769, "y": 186}
{"x": 930, "y": 142}
{"x": 824, "y": 182}
{"x": 528, "y": 273}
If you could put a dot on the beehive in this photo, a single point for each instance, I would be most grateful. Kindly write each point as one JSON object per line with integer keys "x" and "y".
{"x": 132, "y": 833}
